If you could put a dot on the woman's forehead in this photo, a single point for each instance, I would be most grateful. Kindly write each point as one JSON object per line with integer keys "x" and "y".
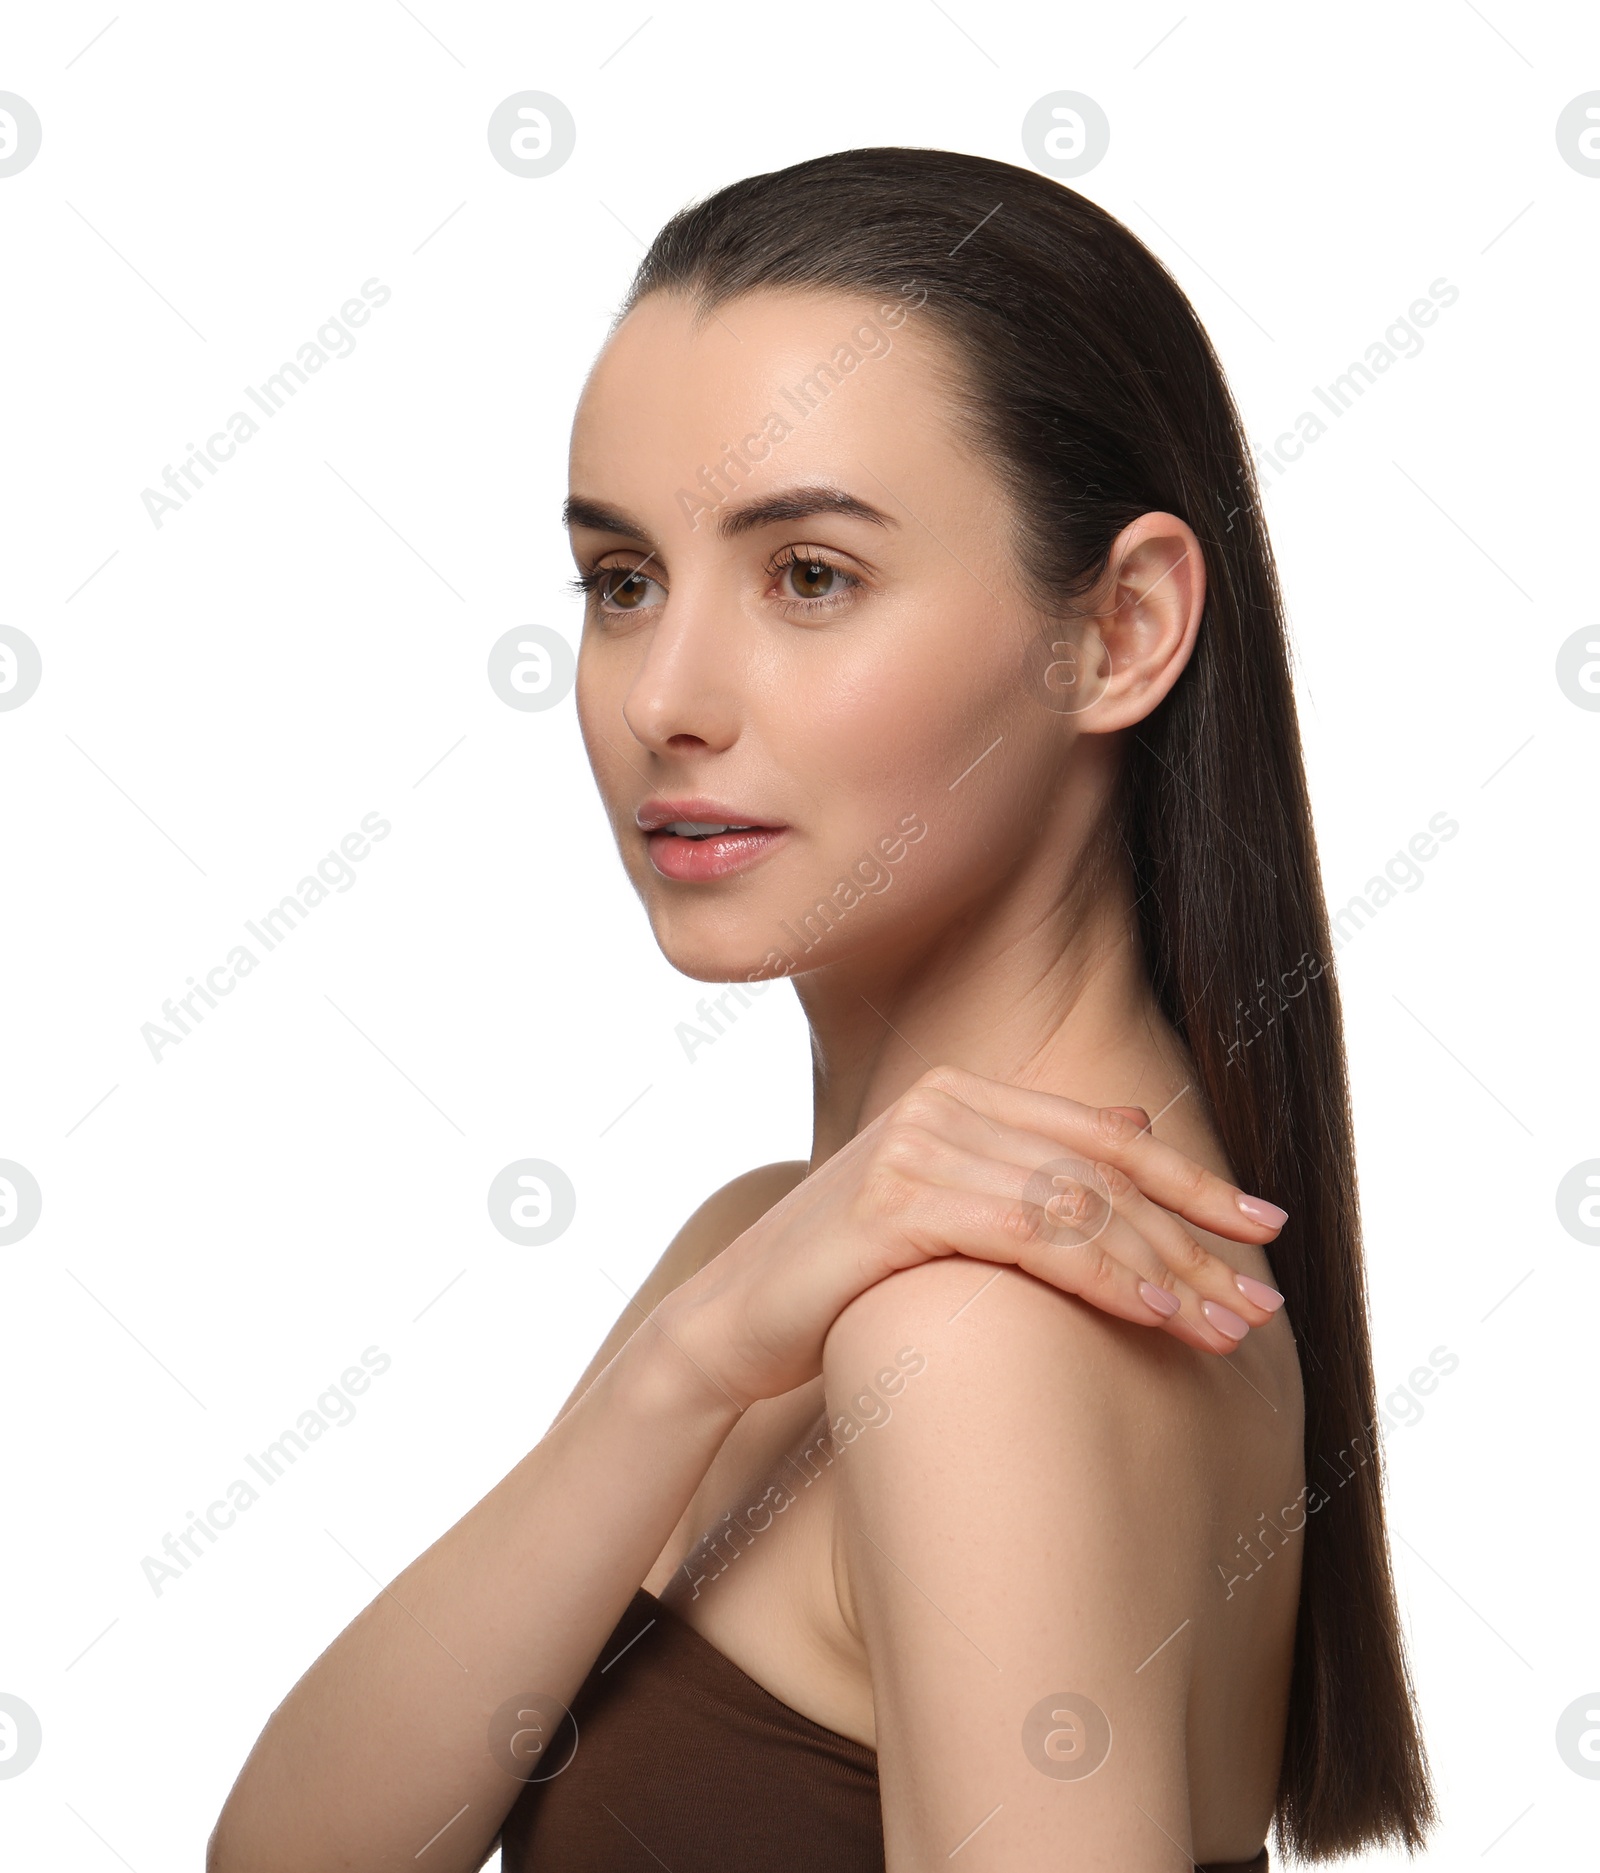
{"x": 826, "y": 379}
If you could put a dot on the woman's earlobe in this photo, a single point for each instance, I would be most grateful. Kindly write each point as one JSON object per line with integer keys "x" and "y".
{"x": 1066, "y": 668}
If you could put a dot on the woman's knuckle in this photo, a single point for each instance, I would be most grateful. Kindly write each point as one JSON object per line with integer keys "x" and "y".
{"x": 1069, "y": 1203}
{"x": 887, "y": 1189}
{"x": 1113, "y": 1128}
{"x": 923, "y": 1105}
{"x": 1192, "y": 1256}
{"x": 1118, "y": 1183}
{"x": 1022, "y": 1224}
{"x": 1101, "y": 1270}
{"x": 1191, "y": 1178}
{"x": 944, "y": 1079}
{"x": 904, "y": 1145}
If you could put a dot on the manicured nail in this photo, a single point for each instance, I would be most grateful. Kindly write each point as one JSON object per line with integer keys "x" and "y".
{"x": 1161, "y": 1299}
{"x": 1260, "y": 1211}
{"x": 1259, "y": 1292}
{"x": 1225, "y": 1320}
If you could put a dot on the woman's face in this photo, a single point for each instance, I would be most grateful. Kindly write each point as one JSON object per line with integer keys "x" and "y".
{"x": 804, "y": 623}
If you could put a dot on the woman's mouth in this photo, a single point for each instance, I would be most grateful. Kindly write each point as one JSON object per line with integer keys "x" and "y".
{"x": 693, "y": 850}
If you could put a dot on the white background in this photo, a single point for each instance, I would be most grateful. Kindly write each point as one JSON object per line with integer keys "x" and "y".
{"x": 226, "y": 696}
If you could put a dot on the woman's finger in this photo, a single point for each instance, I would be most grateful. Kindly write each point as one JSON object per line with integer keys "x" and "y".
{"x": 1106, "y": 1134}
{"x": 1097, "y": 1202}
{"x": 1230, "y": 1301}
{"x": 1164, "y": 1244}
{"x": 1051, "y": 1223}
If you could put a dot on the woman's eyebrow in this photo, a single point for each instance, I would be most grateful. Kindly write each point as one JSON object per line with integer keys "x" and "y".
{"x": 798, "y": 504}
{"x": 789, "y": 504}
{"x": 579, "y": 511}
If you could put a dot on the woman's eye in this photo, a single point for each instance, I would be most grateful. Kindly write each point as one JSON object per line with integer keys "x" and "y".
{"x": 806, "y": 582}
{"x": 622, "y": 589}
{"x": 813, "y": 581}
{"x": 810, "y": 578}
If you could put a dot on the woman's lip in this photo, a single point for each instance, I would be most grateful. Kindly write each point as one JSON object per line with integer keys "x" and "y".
{"x": 699, "y": 811}
{"x": 697, "y": 861}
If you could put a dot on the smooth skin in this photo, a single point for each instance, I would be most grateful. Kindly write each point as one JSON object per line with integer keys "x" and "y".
{"x": 1054, "y": 1502}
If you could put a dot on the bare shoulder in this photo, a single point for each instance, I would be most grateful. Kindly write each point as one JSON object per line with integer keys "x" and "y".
{"x": 1021, "y": 1381}
{"x": 995, "y": 1332}
{"x": 1029, "y": 1410}
{"x": 1041, "y": 1513}
{"x": 724, "y": 1215}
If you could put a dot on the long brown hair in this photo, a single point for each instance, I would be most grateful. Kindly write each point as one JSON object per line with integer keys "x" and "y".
{"x": 1093, "y": 388}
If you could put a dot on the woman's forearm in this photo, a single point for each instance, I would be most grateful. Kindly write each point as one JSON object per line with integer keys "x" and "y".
{"x": 385, "y": 1740}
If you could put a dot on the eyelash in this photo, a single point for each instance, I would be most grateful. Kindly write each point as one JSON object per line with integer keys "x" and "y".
{"x": 592, "y": 582}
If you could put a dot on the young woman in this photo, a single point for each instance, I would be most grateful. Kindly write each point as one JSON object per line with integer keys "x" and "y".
{"x": 947, "y": 1495}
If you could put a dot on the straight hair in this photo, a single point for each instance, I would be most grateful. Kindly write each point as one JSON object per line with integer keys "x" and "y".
{"x": 1089, "y": 382}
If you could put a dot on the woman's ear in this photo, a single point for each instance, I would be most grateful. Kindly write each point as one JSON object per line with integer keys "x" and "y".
{"x": 1127, "y": 646}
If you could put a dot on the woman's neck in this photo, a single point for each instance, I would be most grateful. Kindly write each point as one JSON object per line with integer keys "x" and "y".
{"x": 1038, "y": 988}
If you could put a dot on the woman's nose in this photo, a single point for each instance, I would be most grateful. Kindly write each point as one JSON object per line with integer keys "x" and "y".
{"x": 685, "y": 692}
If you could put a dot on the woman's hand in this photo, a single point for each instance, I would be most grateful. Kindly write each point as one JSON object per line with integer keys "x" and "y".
{"x": 1080, "y": 1196}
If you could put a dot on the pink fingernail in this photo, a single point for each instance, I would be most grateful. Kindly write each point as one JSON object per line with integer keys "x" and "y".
{"x": 1164, "y": 1302}
{"x": 1225, "y": 1320}
{"x": 1260, "y": 1211}
{"x": 1259, "y": 1292}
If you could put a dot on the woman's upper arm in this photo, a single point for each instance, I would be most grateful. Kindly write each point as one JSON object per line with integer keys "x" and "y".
{"x": 725, "y": 1214}
{"x": 1009, "y": 1540}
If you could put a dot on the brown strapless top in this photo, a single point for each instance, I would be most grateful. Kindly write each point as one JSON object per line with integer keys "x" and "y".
{"x": 684, "y": 1761}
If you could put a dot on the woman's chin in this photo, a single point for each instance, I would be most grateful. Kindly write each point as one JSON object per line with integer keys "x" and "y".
{"x": 726, "y": 963}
